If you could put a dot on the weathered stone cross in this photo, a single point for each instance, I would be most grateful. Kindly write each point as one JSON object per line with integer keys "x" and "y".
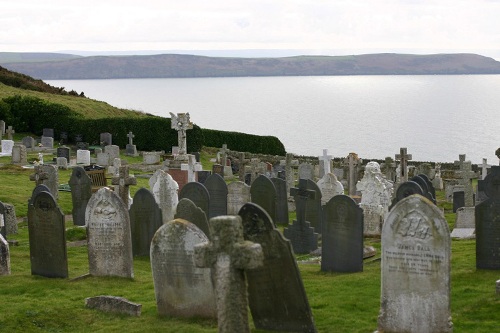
{"x": 39, "y": 176}
{"x": 243, "y": 162}
{"x": 466, "y": 174}
{"x": 326, "y": 161}
{"x": 223, "y": 151}
{"x": 124, "y": 180}
{"x": 301, "y": 194}
{"x": 130, "y": 136}
{"x": 389, "y": 167}
{"x": 181, "y": 123}
{"x": 10, "y": 132}
{"x": 352, "y": 161}
{"x": 228, "y": 254}
{"x": 403, "y": 158}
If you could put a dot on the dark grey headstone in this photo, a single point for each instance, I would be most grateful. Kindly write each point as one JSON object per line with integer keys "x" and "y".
{"x": 106, "y": 139}
{"x": 3, "y": 224}
{"x": 203, "y": 175}
{"x": 47, "y": 237}
{"x": 145, "y": 219}
{"x": 458, "y": 200}
{"x": 78, "y": 138}
{"x": 263, "y": 193}
{"x": 81, "y": 191}
{"x": 36, "y": 190}
{"x": 281, "y": 201}
{"x": 29, "y": 142}
{"x": 188, "y": 211}
{"x": 313, "y": 207}
{"x": 430, "y": 186}
{"x": 82, "y": 145}
{"x": 487, "y": 216}
{"x": 64, "y": 152}
{"x": 426, "y": 186}
{"x": 276, "y": 294}
{"x": 217, "y": 188}
{"x": 198, "y": 194}
{"x": 405, "y": 190}
{"x": 218, "y": 169}
{"x": 49, "y": 132}
{"x": 342, "y": 237}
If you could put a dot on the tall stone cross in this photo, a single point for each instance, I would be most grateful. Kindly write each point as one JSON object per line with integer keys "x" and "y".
{"x": 326, "y": 161}
{"x": 352, "y": 161}
{"x": 124, "y": 180}
{"x": 301, "y": 195}
{"x": 243, "y": 162}
{"x": 130, "y": 136}
{"x": 10, "y": 132}
{"x": 484, "y": 168}
{"x": 223, "y": 151}
{"x": 39, "y": 176}
{"x": 403, "y": 157}
{"x": 229, "y": 255}
{"x": 181, "y": 123}
{"x": 466, "y": 174}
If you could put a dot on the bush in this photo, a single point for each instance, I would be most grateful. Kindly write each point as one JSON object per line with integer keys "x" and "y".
{"x": 256, "y": 144}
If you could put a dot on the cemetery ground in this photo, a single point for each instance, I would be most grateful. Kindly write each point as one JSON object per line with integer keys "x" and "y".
{"x": 339, "y": 302}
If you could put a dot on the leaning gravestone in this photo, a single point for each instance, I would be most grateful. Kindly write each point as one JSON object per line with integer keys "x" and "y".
{"x": 281, "y": 201}
{"x": 229, "y": 256}
{"x": 342, "y": 237}
{"x": 181, "y": 288}
{"x": 415, "y": 269}
{"x": 198, "y": 194}
{"x": 217, "y": 188}
{"x": 276, "y": 294}
{"x": 187, "y": 210}
{"x": 145, "y": 219}
{"x": 81, "y": 191}
{"x": 165, "y": 188}
{"x": 488, "y": 223}
{"x": 4, "y": 257}
{"x": 108, "y": 235}
{"x": 238, "y": 195}
{"x": 47, "y": 237}
{"x": 263, "y": 193}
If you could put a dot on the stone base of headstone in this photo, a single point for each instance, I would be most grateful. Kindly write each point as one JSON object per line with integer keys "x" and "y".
{"x": 228, "y": 172}
{"x": 131, "y": 150}
{"x": 302, "y": 237}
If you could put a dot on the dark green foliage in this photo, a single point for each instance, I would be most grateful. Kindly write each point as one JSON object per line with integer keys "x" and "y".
{"x": 270, "y": 145}
{"x": 5, "y": 113}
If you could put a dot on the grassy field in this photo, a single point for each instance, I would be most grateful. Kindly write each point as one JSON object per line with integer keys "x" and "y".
{"x": 339, "y": 302}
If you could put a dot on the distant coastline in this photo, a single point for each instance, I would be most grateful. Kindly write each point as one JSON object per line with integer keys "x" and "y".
{"x": 56, "y": 66}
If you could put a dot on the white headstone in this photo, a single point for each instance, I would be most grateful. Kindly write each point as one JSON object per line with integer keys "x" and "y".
{"x": 330, "y": 187}
{"x": 7, "y": 146}
{"x": 83, "y": 157}
{"x": 238, "y": 194}
{"x": 165, "y": 190}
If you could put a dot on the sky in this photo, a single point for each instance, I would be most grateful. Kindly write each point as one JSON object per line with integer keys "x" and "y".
{"x": 285, "y": 27}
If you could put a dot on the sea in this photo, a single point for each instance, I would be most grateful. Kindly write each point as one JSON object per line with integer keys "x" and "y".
{"x": 436, "y": 117}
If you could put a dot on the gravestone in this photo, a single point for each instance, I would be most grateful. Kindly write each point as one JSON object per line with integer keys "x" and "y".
{"x": 465, "y": 224}
{"x": 281, "y": 201}
{"x": 8, "y": 220}
{"x": 437, "y": 182}
{"x": 238, "y": 195}
{"x": 329, "y": 187}
{"x": 164, "y": 189}
{"x": 458, "y": 198}
{"x": 130, "y": 149}
{"x": 405, "y": 190}
{"x": 62, "y": 163}
{"x": 181, "y": 123}
{"x": 342, "y": 237}
{"x": 218, "y": 169}
{"x": 325, "y": 165}
{"x": 484, "y": 168}
{"x": 19, "y": 155}
{"x": 113, "y": 151}
{"x": 4, "y": 257}
{"x": 181, "y": 288}
{"x": 145, "y": 219}
{"x": 109, "y": 241}
{"x": 217, "y": 188}
{"x": 10, "y": 133}
{"x": 415, "y": 269}
{"x": 198, "y": 194}
{"x": 488, "y": 223}
{"x": 123, "y": 181}
{"x": 300, "y": 233}
{"x": 187, "y": 210}
{"x": 28, "y": 142}
{"x": 314, "y": 214}
{"x": 106, "y": 139}
{"x": 352, "y": 161}
{"x": 229, "y": 256}
{"x": 47, "y": 237}
{"x": 48, "y": 132}
{"x": 276, "y": 294}
{"x": 306, "y": 171}
{"x": 388, "y": 168}
{"x": 83, "y": 157}
{"x": 150, "y": 157}
{"x": 82, "y": 146}
{"x": 64, "y": 152}
{"x": 47, "y": 142}
{"x": 403, "y": 157}
{"x": 3, "y": 227}
{"x": 81, "y": 191}
{"x": 47, "y": 175}
{"x": 263, "y": 193}
{"x": 242, "y": 162}
{"x": 103, "y": 159}
{"x": 466, "y": 175}
{"x": 7, "y": 146}
{"x": 426, "y": 186}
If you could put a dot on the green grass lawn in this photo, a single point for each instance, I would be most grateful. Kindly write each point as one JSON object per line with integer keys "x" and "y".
{"x": 339, "y": 302}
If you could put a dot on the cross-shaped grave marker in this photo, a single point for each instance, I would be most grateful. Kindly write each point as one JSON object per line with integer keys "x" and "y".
{"x": 228, "y": 254}
{"x": 403, "y": 157}
{"x": 130, "y": 136}
{"x": 243, "y": 162}
{"x": 484, "y": 168}
{"x": 352, "y": 161}
{"x": 389, "y": 167}
{"x": 10, "y": 132}
{"x": 301, "y": 195}
{"x": 326, "y": 161}
{"x": 124, "y": 180}
{"x": 466, "y": 174}
{"x": 181, "y": 124}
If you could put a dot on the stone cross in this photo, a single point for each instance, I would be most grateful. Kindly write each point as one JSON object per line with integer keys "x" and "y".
{"x": 130, "y": 136}
{"x": 243, "y": 162}
{"x": 124, "y": 180}
{"x": 229, "y": 255}
{"x": 352, "y": 161}
{"x": 403, "y": 157}
{"x": 326, "y": 161}
{"x": 302, "y": 193}
{"x": 10, "y": 132}
{"x": 223, "y": 151}
{"x": 389, "y": 167}
{"x": 484, "y": 168}
{"x": 181, "y": 123}
{"x": 466, "y": 174}
{"x": 39, "y": 176}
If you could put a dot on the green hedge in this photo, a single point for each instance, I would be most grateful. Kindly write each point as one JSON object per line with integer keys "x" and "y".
{"x": 31, "y": 114}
